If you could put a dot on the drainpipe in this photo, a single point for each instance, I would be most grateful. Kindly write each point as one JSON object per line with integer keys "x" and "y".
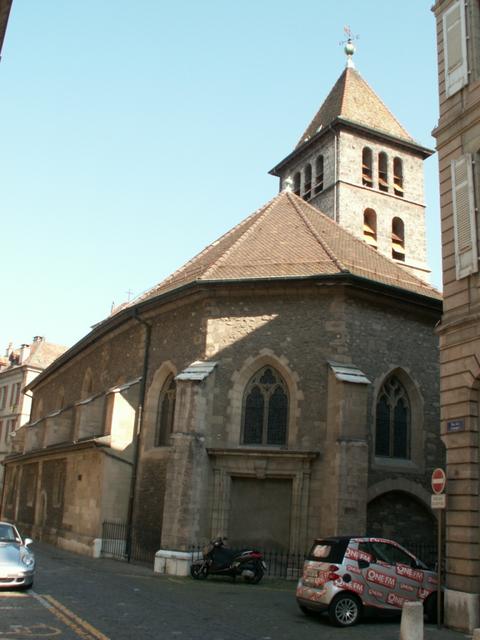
{"x": 137, "y": 435}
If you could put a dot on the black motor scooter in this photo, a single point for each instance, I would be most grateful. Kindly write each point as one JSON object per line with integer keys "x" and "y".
{"x": 222, "y": 561}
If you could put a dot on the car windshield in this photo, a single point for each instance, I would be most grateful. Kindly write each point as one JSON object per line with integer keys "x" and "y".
{"x": 7, "y": 533}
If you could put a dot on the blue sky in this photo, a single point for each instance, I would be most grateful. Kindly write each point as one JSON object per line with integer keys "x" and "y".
{"x": 136, "y": 133}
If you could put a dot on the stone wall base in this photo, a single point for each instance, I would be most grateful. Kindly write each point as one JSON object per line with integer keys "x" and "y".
{"x": 174, "y": 563}
{"x": 462, "y": 610}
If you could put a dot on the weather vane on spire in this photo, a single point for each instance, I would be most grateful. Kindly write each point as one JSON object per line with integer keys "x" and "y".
{"x": 349, "y": 46}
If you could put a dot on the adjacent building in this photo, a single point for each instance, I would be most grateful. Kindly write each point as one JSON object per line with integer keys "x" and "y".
{"x": 17, "y": 369}
{"x": 458, "y": 143}
{"x": 283, "y": 384}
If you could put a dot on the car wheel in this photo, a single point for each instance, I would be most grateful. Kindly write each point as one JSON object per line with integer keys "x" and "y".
{"x": 344, "y": 610}
{"x": 199, "y": 571}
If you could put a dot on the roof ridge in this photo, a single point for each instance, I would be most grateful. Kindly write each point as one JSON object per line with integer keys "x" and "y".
{"x": 408, "y": 275}
{"x": 377, "y": 97}
{"x": 260, "y": 213}
{"x": 184, "y": 267}
{"x": 316, "y": 235}
{"x": 330, "y": 93}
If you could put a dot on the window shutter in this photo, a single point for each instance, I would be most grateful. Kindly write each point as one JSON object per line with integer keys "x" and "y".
{"x": 455, "y": 48}
{"x": 464, "y": 224}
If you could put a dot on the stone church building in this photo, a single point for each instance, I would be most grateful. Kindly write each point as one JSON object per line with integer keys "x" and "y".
{"x": 281, "y": 385}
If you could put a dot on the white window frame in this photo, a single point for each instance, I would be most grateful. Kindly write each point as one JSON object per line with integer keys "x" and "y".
{"x": 464, "y": 217}
{"x": 457, "y": 77}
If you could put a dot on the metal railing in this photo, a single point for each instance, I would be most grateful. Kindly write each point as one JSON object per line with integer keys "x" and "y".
{"x": 144, "y": 542}
{"x": 280, "y": 563}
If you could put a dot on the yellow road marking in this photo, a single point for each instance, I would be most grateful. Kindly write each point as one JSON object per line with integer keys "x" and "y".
{"x": 81, "y": 627}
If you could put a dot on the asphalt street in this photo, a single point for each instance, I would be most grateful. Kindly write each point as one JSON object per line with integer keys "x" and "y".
{"x": 77, "y": 597}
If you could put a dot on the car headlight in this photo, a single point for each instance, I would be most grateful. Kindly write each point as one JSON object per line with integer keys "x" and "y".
{"x": 28, "y": 560}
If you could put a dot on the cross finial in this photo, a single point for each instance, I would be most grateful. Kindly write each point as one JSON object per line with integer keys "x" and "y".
{"x": 129, "y": 294}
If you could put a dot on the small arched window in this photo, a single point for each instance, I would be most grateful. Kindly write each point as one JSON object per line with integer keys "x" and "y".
{"x": 370, "y": 227}
{"x": 265, "y": 409}
{"x": 60, "y": 402}
{"x": 296, "y": 183}
{"x": 87, "y": 384}
{"x": 383, "y": 171}
{"x": 398, "y": 177}
{"x": 165, "y": 412}
{"x": 398, "y": 239}
{"x": 367, "y": 167}
{"x": 319, "y": 174}
{"x": 307, "y": 185}
{"x": 392, "y": 429}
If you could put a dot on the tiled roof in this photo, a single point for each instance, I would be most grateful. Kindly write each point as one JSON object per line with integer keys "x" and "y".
{"x": 43, "y": 354}
{"x": 353, "y": 99}
{"x": 289, "y": 238}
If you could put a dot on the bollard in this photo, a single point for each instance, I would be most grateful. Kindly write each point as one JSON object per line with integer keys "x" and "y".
{"x": 476, "y": 634}
{"x": 411, "y": 627}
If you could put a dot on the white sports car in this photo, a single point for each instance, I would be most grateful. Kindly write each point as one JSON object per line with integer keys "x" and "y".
{"x": 17, "y": 562}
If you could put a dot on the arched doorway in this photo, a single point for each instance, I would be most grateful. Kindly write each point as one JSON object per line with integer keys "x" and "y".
{"x": 402, "y": 517}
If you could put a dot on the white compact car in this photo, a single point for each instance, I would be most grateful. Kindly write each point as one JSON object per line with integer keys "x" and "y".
{"x": 348, "y": 576}
{"x": 17, "y": 562}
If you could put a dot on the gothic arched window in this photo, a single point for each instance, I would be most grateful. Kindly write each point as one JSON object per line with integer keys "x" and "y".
{"x": 392, "y": 437}
{"x": 165, "y": 412}
{"x": 265, "y": 409}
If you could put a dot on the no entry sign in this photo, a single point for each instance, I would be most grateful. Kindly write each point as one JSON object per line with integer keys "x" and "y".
{"x": 438, "y": 481}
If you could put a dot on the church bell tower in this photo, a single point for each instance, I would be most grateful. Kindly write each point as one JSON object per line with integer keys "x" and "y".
{"x": 357, "y": 164}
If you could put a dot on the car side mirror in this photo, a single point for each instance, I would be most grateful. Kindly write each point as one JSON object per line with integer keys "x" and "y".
{"x": 363, "y": 564}
{"x": 27, "y": 541}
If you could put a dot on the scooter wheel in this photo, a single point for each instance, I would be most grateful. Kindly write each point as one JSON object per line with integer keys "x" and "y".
{"x": 258, "y": 575}
{"x": 198, "y": 571}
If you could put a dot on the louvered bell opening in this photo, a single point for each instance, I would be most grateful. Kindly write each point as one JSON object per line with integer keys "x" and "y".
{"x": 398, "y": 187}
{"x": 369, "y": 235}
{"x": 367, "y": 179}
{"x": 382, "y": 182}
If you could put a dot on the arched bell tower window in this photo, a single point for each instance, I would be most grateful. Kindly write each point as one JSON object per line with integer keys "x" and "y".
{"x": 265, "y": 409}
{"x": 392, "y": 429}
{"x": 370, "y": 227}
{"x": 296, "y": 183}
{"x": 165, "y": 412}
{"x": 383, "y": 171}
{"x": 367, "y": 167}
{"x": 319, "y": 174}
{"x": 398, "y": 239}
{"x": 398, "y": 177}
{"x": 307, "y": 185}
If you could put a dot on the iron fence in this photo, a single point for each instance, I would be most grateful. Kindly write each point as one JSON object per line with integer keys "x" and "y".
{"x": 280, "y": 563}
{"x": 143, "y": 543}
{"x": 135, "y": 543}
